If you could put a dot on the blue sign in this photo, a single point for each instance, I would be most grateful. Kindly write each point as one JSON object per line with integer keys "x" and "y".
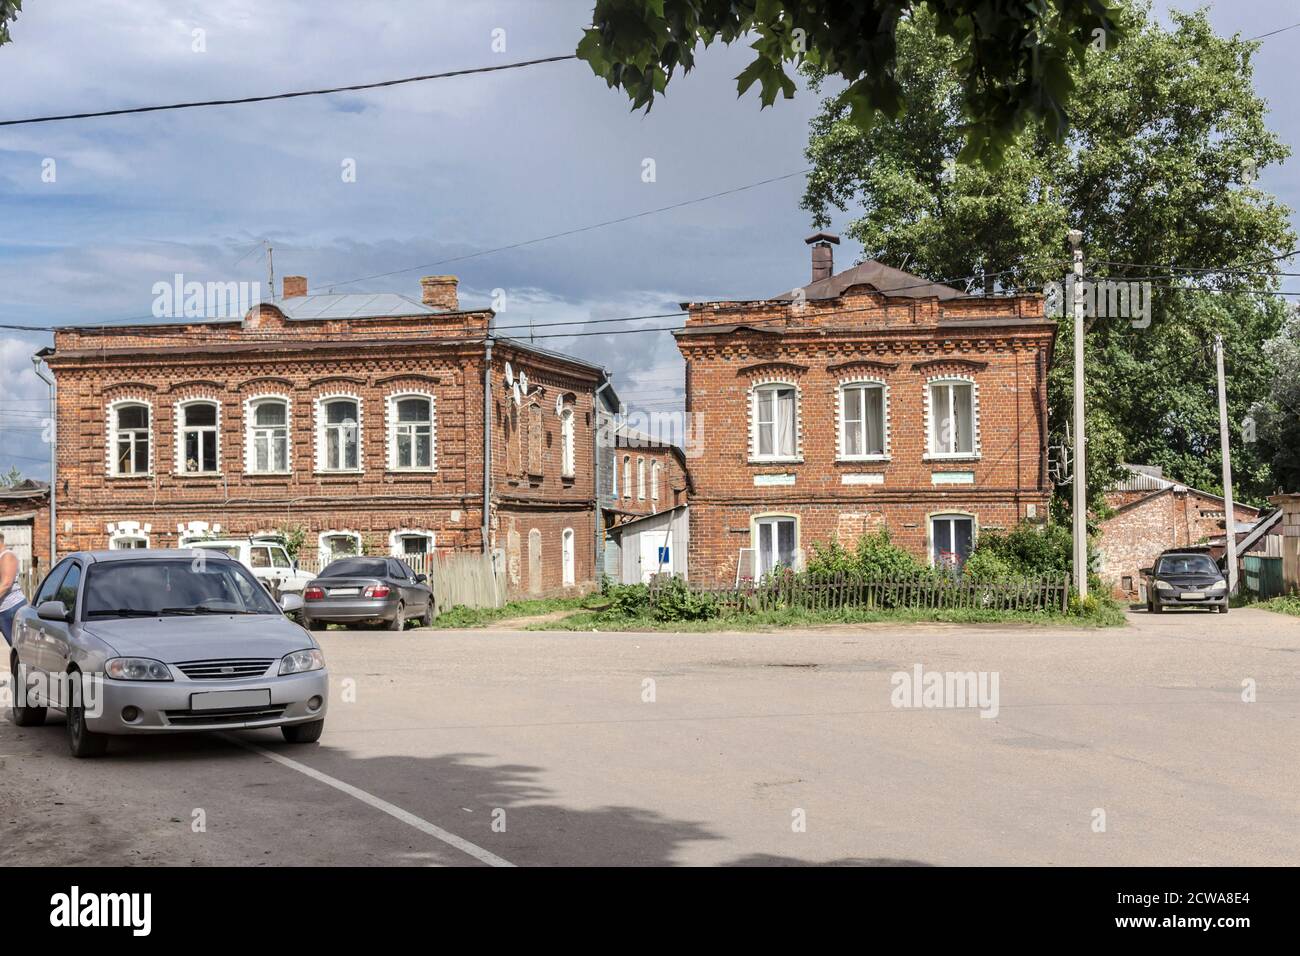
{"x": 664, "y": 557}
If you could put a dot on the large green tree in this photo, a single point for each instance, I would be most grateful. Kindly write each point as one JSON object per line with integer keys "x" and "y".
{"x": 1015, "y": 60}
{"x": 1159, "y": 171}
{"x": 1276, "y": 420}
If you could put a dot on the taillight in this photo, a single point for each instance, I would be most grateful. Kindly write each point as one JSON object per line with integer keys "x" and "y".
{"x": 313, "y": 594}
{"x": 377, "y": 590}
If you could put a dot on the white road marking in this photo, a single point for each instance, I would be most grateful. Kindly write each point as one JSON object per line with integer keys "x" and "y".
{"x": 424, "y": 826}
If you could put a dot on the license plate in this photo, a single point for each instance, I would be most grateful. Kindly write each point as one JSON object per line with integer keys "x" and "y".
{"x": 229, "y": 699}
{"x": 1192, "y": 595}
{"x": 344, "y": 591}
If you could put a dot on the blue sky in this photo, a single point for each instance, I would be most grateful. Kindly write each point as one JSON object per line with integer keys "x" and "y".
{"x": 443, "y": 169}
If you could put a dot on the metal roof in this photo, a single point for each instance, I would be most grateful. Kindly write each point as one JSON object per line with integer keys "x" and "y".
{"x": 1143, "y": 478}
{"x": 352, "y": 305}
{"x": 882, "y": 278}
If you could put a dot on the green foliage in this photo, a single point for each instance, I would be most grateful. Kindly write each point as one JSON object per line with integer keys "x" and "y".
{"x": 1029, "y": 549}
{"x": 1012, "y": 62}
{"x": 630, "y": 600}
{"x": 8, "y": 13}
{"x": 464, "y": 617}
{"x": 677, "y": 602}
{"x": 1276, "y": 417}
{"x": 12, "y": 478}
{"x": 1168, "y": 138}
{"x": 874, "y": 558}
{"x": 294, "y": 536}
{"x": 987, "y": 567}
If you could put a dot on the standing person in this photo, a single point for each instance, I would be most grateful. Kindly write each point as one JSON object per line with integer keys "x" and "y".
{"x": 11, "y": 594}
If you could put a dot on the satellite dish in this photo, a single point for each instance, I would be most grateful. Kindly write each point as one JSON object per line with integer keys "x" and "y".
{"x": 523, "y": 382}
{"x": 510, "y": 376}
{"x": 514, "y": 393}
{"x": 559, "y": 405}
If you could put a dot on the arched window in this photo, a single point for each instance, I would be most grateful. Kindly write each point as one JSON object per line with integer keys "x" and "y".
{"x": 566, "y": 442}
{"x": 129, "y": 441}
{"x": 410, "y": 433}
{"x": 640, "y": 478}
{"x": 338, "y": 434}
{"x": 567, "y": 557}
{"x": 862, "y": 420}
{"x": 775, "y": 417}
{"x": 267, "y": 435}
{"x": 627, "y": 476}
{"x": 337, "y": 544}
{"x": 197, "y": 446}
{"x": 655, "y": 469}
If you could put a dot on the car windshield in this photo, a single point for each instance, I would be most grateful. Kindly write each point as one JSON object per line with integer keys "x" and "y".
{"x": 1187, "y": 564}
{"x": 149, "y": 588}
{"x": 356, "y": 567}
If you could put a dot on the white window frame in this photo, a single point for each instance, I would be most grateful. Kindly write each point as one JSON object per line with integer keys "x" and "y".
{"x": 949, "y": 516}
{"x": 627, "y": 476}
{"x": 567, "y": 467}
{"x": 640, "y": 478}
{"x": 841, "y": 430}
{"x": 932, "y": 419}
{"x": 395, "y": 539}
{"x": 656, "y": 471}
{"x": 774, "y": 519}
{"x": 769, "y": 385}
{"x": 568, "y": 542}
{"x": 251, "y": 428}
{"x": 394, "y": 427}
{"x": 322, "y": 430}
{"x": 324, "y": 555}
{"x": 122, "y": 531}
{"x": 181, "y": 429}
{"x": 114, "y": 433}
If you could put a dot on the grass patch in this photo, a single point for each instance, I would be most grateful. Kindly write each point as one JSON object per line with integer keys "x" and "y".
{"x": 1103, "y": 614}
{"x": 463, "y": 617}
{"x": 1287, "y": 604}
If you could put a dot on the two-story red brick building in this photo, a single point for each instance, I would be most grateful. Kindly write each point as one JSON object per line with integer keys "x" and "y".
{"x": 363, "y": 419}
{"x": 869, "y": 398}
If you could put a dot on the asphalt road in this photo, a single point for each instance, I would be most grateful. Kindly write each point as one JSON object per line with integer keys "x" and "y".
{"x": 1124, "y": 746}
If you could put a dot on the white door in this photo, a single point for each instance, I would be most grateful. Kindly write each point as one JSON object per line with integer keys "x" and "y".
{"x": 656, "y": 553}
{"x": 18, "y": 539}
{"x": 567, "y": 540}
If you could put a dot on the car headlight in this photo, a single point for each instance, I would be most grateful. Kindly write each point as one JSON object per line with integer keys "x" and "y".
{"x": 1222, "y": 585}
{"x": 136, "y": 668}
{"x": 300, "y": 662}
{"x": 1164, "y": 586}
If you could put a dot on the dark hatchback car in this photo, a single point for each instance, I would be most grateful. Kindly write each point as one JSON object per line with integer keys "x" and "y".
{"x": 1185, "y": 579}
{"x": 367, "y": 591}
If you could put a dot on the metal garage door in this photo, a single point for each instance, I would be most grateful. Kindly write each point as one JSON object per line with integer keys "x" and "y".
{"x": 18, "y": 538}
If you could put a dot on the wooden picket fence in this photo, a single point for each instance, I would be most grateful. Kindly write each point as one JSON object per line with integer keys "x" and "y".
{"x": 458, "y": 578}
{"x": 922, "y": 590}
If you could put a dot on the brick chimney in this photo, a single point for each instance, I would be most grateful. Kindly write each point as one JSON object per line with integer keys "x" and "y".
{"x": 295, "y": 286}
{"x": 439, "y": 292}
{"x": 823, "y": 256}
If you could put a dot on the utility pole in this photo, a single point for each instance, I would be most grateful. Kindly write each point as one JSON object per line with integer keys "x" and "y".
{"x": 1080, "y": 475}
{"x": 1229, "y": 524}
{"x": 270, "y": 273}
{"x": 48, "y": 379}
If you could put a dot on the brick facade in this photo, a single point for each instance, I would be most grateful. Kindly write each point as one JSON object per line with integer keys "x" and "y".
{"x": 26, "y": 510}
{"x": 436, "y": 353}
{"x": 839, "y": 332}
{"x": 1145, "y": 523}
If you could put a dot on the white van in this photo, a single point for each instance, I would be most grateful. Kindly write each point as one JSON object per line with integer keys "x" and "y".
{"x": 265, "y": 557}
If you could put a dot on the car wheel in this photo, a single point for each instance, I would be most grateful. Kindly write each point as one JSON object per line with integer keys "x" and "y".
{"x": 1155, "y": 606}
{"x": 22, "y": 716}
{"x": 81, "y": 740}
{"x": 398, "y": 622}
{"x": 307, "y": 733}
{"x": 427, "y": 620}
{"x": 314, "y": 625}
{"x": 1223, "y": 608}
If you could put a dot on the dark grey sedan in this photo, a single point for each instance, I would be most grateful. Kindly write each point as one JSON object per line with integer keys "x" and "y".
{"x": 368, "y": 591}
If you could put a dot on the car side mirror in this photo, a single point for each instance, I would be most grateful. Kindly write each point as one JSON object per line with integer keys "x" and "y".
{"x": 295, "y": 564}
{"x": 1146, "y": 571}
{"x": 53, "y": 611}
{"x": 289, "y": 603}
{"x": 421, "y": 578}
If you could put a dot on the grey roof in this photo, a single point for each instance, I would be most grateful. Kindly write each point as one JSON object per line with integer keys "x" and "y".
{"x": 880, "y": 277}
{"x": 27, "y": 488}
{"x": 1261, "y": 528}
{"x": 1143, "y": 478}
{"x": 352, "y": 305}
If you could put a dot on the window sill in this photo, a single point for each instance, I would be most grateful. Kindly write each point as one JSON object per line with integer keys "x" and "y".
{"x": 863, "y": 459}
{"x": 136, "y": 475}
{"x": 797, "y": 460}
{"x": 197, "y": 474}
{"x": 268, "y": 474}
{"x": 951, "y": 456}
{"x": 398, "y": 472}
{"x": 339, "y": 472}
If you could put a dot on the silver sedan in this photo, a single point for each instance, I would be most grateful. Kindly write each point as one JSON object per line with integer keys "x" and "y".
{"x": 152, "y": 641}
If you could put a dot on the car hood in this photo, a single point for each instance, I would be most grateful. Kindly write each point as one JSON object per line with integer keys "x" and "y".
{"x": 204, "y": 637}
{"x": 1200, "y": 579}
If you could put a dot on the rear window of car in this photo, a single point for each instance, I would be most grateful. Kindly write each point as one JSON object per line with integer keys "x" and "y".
{"x": 356, "y": 567}
{"x": 1187, "y": 564}
{"x": 229, "y": 550}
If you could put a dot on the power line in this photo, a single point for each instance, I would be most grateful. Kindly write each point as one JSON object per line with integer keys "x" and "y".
{"x": 569, "y": 232}
{"x": 288, "y": 96}
{"x": 1273, "y": 33}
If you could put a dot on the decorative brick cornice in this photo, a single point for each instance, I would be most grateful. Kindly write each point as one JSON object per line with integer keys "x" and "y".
{"x": 949, "y": 362}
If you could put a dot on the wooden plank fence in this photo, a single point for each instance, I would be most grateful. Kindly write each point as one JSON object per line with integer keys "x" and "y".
{"x": 923, "y": 590}
{"x": 458, "y": 578}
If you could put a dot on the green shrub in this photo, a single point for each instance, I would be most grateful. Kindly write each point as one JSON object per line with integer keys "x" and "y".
{"x": 874, "y": 558}
{"x": 629, "y": 600}
{"x": 677, "y": 602}
{"x": 986, "y": 566}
